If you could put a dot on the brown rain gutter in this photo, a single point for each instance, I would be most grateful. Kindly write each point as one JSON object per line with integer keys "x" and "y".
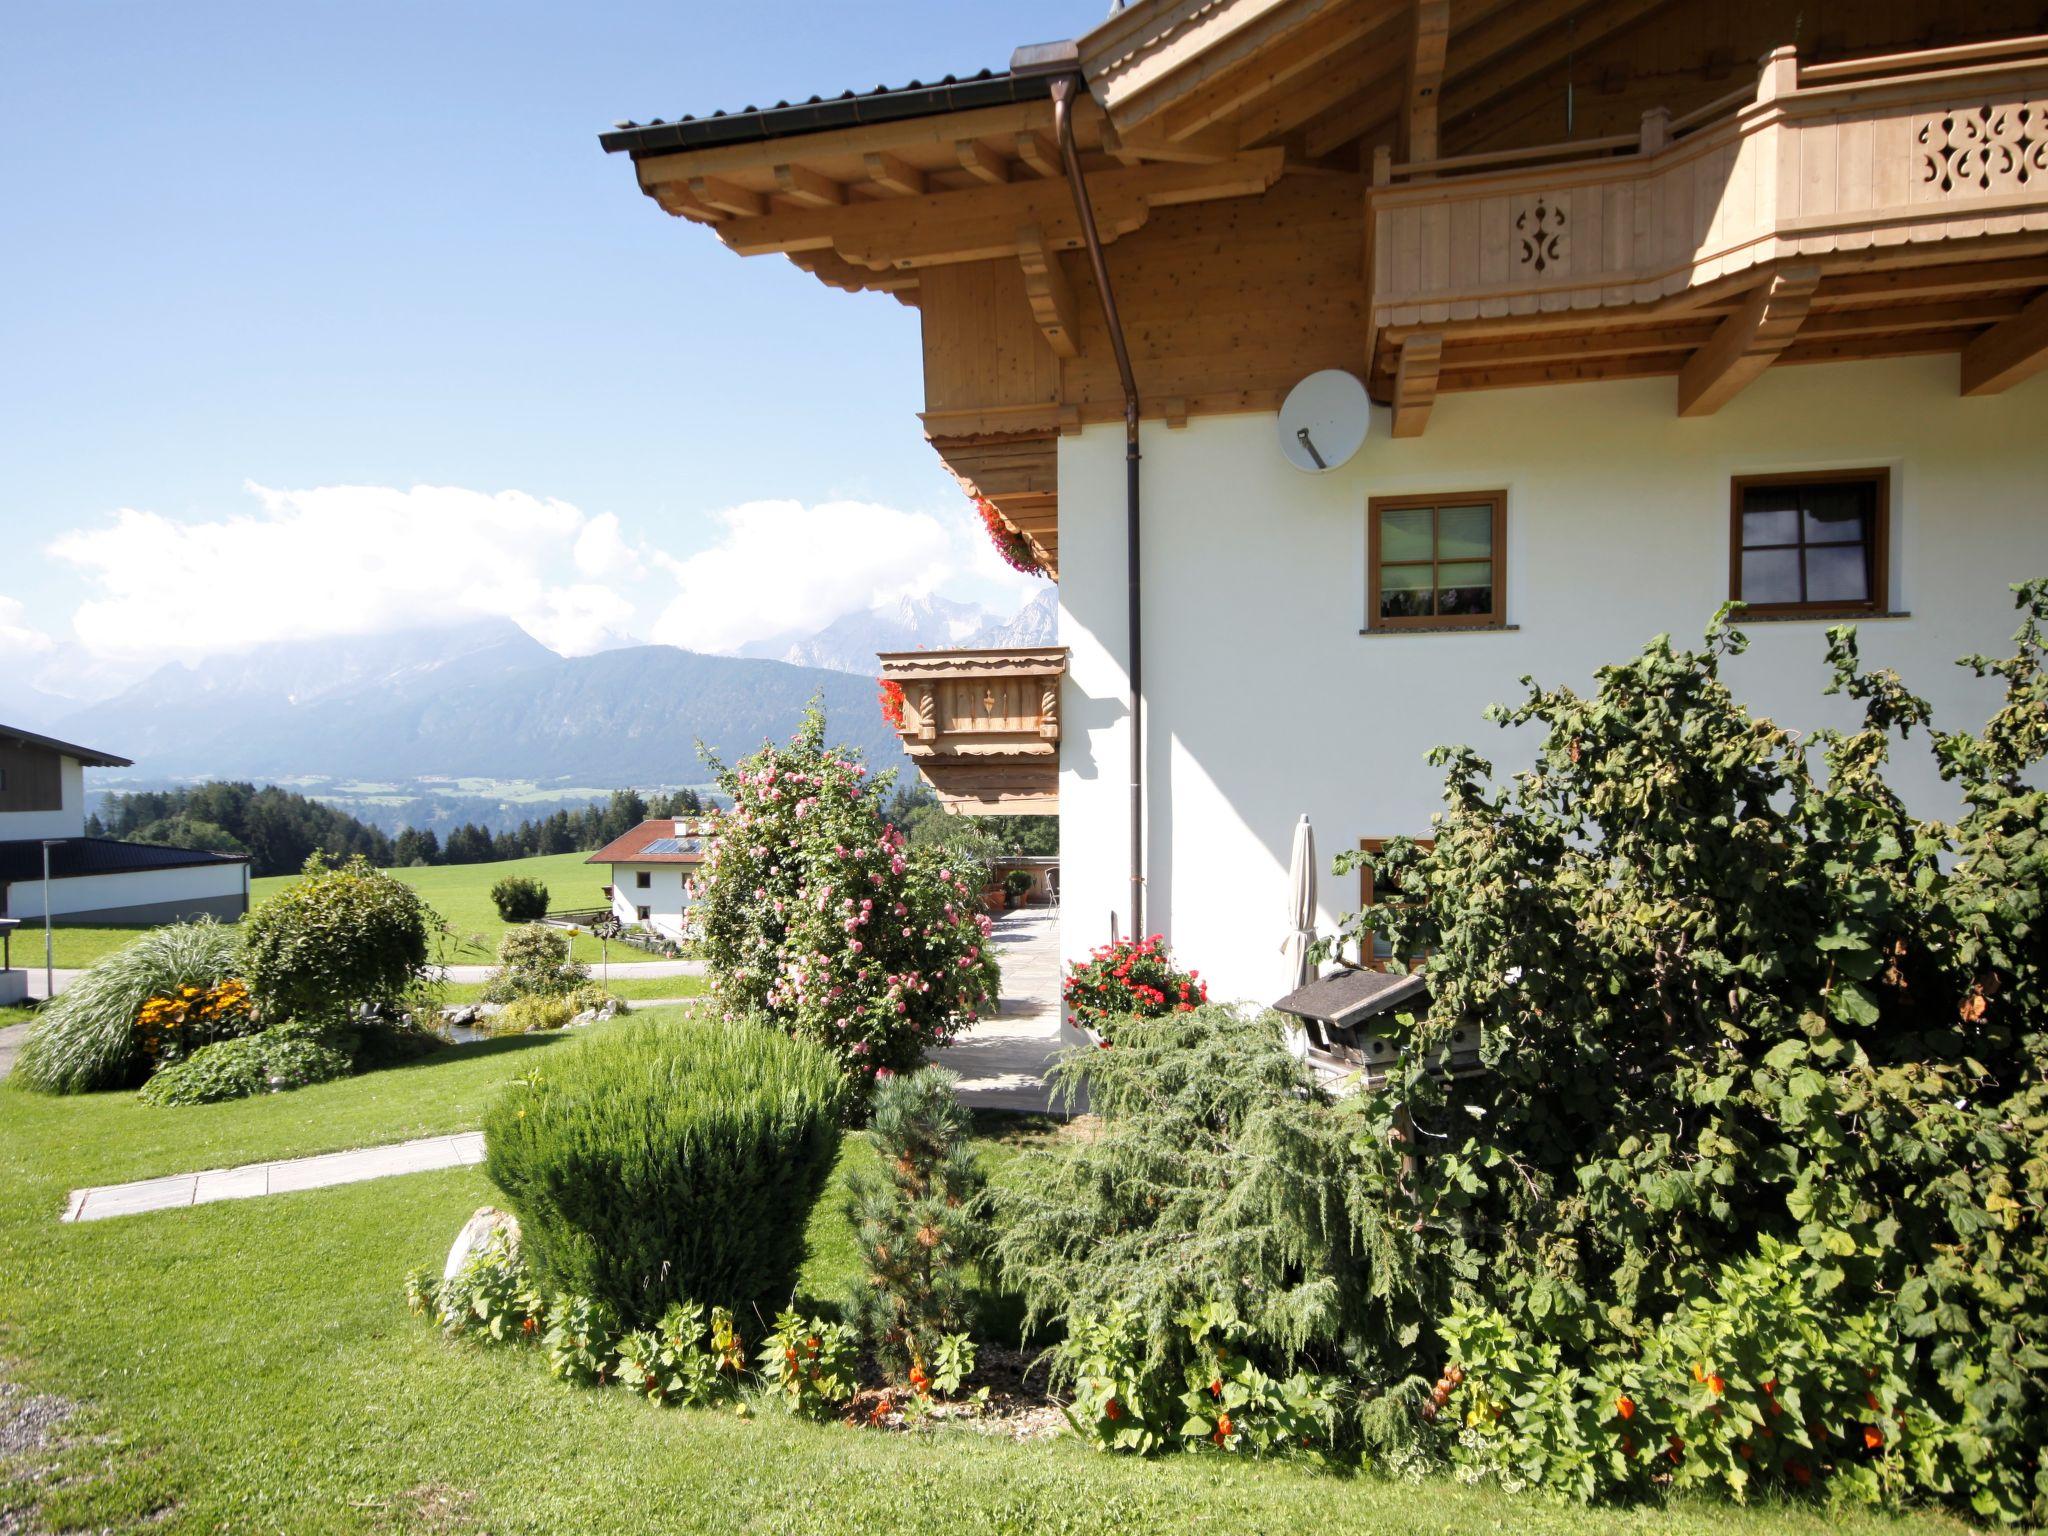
{"x": 1065, "y": 88}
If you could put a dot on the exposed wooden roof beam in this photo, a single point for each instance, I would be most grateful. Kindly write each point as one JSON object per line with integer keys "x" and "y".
{"x": 1377, "y": 104}
{"x": 981, "y": 162}
{"x": 1912, "y": 317}
{"x": 1415, "y": 382}
{"x": 852, "y": 143}
{"x": 1575, "y": 28}
{"x": 1430, "y": 34}
{"x": 728, "y": 197}
{"x": 676, "y": 198}
{"x": 1747, "y": 342}
{"x": 1360, "y": 66}
{"x": 893, "y": 175}
{"x": 801, "y": 184}
{"x": 1039, "y": 154}
{"x": 1271, "y": 70}
{"x": 980, "y": 223}
{"x": 1894, "y": 284}
{"x": 2008, "y": 353}
{"x": 1047, "y": 290}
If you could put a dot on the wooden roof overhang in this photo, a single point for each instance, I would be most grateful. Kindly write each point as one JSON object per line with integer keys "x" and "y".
{"x": 1379, "y": 185}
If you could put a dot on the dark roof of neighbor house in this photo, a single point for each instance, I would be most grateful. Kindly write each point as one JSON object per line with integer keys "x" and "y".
{"x": 21, "y": 858}
{"x": 885, "y": 103}
{"x": 86, "y": 755}
{"x": 1347, "y": 997}
{"x": 661, "y": 840}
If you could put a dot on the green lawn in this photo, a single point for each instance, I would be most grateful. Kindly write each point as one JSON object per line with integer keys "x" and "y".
{"x": 624, "y": 984}
{"x": 249, "y": 1367}
{"x": 461, "y": 893}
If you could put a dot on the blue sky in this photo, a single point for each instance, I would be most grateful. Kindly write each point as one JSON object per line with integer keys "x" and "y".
{"x": 261, "y": 251}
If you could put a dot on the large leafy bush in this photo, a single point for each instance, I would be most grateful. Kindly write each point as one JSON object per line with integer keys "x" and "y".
{"x": 87, "y": 1038}
{"x": 533, "y": 961}
{"x": 1733, "y": 995}
{"x": 654, "y": 1162}
{"x": 520, "y": 899}
{"x": 338, "y": 939}
{"x": 819, "y": 918}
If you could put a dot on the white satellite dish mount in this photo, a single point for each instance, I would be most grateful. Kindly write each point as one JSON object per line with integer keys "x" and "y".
{"x": 1324, "y": 421}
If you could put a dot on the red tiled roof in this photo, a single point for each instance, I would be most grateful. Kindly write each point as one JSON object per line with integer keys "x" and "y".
{"x": 634, "y": 847}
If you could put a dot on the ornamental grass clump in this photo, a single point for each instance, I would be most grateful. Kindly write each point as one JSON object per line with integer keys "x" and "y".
{"x": 91, "y": 1036}
{"x": 663, "y": 1161}
{"x": 914, "y": 1224}
{"x": 820, "y": 919}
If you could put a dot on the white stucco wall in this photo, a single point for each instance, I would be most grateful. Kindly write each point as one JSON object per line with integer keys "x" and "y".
{"x": 1265, "y": 701}
{"x": 665, "y": 898}
{"x": 66, "y": 821}
{"x": 87, "y": 894}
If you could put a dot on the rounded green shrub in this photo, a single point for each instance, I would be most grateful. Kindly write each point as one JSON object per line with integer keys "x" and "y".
{"x": 663, "y": 1161}
{"x": 520, "y": 899}
{"x": 337, "y": 939}
{"x": 86, "y": 1038}
{"x": 271, "y": 1062}
{"x": 534, "y": 962}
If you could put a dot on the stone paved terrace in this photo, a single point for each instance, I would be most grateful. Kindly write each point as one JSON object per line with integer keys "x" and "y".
{"x": 1002, "y": 1061}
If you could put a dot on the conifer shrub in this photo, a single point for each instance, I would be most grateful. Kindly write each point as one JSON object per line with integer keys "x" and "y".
{"x": 663, "y": 1161}
{"x": 914, "y": 1223}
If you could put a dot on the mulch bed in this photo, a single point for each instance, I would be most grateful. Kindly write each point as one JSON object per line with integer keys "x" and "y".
{"x": 1006, "y": 1397}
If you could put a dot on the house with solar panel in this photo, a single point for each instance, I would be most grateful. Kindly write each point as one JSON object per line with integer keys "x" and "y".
{"x": 654, "y": 874}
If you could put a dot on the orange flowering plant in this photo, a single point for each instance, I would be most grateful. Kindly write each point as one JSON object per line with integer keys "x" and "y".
{"x": 170, "y": 1028}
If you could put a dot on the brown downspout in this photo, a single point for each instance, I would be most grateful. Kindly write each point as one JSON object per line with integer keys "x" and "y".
{"x": 1064, "y": 90}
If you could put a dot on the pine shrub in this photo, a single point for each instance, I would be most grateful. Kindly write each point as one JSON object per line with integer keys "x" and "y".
{"x": 663, "y": 1161}
{"x": 914, "y": 1222}
{"x": 87, "y": 1038}
{"x": 520, "y": 899}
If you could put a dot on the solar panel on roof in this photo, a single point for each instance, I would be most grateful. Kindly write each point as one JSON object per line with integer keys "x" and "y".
{"x": 673, "y": 845}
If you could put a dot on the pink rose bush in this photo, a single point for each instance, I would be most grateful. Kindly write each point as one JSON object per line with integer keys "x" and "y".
{"x": 817, "y": 916}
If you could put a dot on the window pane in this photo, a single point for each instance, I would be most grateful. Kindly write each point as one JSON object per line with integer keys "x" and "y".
{"x": 1465, "y": 588}
{"x": 1406, "y": 534}
{"x": 1836, "y": 514}
{"x": 1770, "y": 575}
{"x": 1464, "y": 533}
{"x": 1836, "y": 573}
{"x": 1773, "y": 525}
{"x": 1404, "y": 591}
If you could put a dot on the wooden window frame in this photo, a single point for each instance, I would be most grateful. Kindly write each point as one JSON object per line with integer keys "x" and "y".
{"x": 1368, "y": 937}
{"x": 1497, "y": 619}
{"x": 1879, "y": 544}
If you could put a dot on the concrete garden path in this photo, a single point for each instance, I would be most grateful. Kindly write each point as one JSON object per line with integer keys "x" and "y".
{"x": 1001, "y": 1061}
{"x": 253, "y": 1179}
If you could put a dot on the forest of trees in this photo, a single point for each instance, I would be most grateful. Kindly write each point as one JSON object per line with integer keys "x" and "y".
{"x": 278, "y": 829}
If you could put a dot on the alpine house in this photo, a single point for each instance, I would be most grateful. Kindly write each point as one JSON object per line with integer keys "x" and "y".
{"x": 1617, "y": 310}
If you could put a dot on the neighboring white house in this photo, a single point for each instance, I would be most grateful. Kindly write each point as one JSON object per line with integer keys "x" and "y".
{"x": 1767, "y": 325}
{"x": 98, "y": 880}
{"x": 654, "y": 869}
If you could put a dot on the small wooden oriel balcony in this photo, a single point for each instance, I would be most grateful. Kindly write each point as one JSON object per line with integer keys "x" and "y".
{"x": 1870, "y": 208}
{"x": 983, "y": 727}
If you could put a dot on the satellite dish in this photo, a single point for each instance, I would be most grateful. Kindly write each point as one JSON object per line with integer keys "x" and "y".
{"x": 1324, "y": 421}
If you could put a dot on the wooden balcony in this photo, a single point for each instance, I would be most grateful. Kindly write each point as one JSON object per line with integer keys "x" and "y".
{"x": 983, "y": 727}
{"x": 1726, "y": 238}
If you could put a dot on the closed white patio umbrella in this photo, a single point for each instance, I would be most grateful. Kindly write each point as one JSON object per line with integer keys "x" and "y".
{"x": 1301, "y": 907}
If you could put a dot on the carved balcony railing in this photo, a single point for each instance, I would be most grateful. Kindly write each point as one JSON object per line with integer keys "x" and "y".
{"x": 983, "y": 727}
{"x": 1828, "y": 164}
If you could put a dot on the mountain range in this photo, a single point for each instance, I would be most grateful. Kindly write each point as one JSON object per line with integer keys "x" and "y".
{"x": 485, "y": 700}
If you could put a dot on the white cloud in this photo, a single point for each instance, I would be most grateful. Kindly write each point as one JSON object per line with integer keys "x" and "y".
{"x": 20, "y": 642}
{"x": 783, "y": 567}
{"x": 348, "y": 560}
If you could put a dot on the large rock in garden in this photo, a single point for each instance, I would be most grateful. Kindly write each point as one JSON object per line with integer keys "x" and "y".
{"x": 489, "y": 1222}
